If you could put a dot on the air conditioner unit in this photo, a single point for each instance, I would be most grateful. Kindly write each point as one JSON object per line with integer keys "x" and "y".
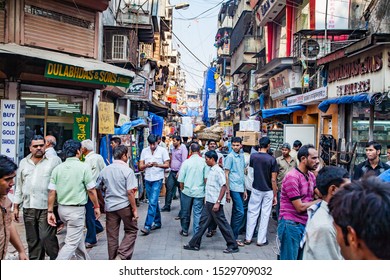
{"x": 312, "y": 49}
{"x": 120, "y": 46}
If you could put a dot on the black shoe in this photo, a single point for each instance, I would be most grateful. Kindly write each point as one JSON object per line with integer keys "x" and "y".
{"x": 189, "y": 247}
{"x": 175, "y": 197}
{"x": 183, "y": 233}
{"x": 211, "y": 233}
{"x": 230, "y": 250}
{"x": 155, "y": 227}
{"x": 165, "y": 209}
{"x": 145, "y": 231}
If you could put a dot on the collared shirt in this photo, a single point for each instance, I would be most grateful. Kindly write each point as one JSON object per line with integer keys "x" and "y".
{"x": 160, "y": 155}
{"x": 179, "y": 155}
{"x": 366, "y": 167}
{"x": 320, "y": 235}
{"x": 96, "y": 162}
{"x": 296, "y": 185}
{"x": 50, "y": 152}
{"x": 192, "y": 173}
{"x": 71, "y": 180}
{"x": 284, "y": 168}
{"x": 235, "y": 163}
{"x": 215, "y": 180}
{"x": 33, "y": 181}
{"x": 5, "y": 225}
{"x": 117, "y": 179}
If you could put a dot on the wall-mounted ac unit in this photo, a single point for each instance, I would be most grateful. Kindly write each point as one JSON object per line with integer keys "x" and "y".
{"x": 312, "y": 49}
{"x": 120, "y": 46}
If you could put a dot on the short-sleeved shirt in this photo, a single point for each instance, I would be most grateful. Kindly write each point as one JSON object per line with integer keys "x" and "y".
{"x": 235, "y": 163}
{"x": 5, "y": 225}
{"x": 215, "y": 180}
{"x": 96, "y": 162}
{"x": 284, "y": 168}
{"x": 117, "y": 179}
{"x": 296, "y": 185}
{"x": 160, "y": 155}
{"x": 263, "y": 166}
{"x": 192, "y": 173}
{"x": 178, "y": 156}
{"x": 71, "y": 180}
{"x": 366, "y": 167}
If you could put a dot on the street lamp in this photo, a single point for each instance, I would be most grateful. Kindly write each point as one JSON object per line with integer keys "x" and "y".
{"x": 181, "y": 6}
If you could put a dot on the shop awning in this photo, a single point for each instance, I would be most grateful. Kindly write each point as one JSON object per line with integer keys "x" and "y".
{"x": 87, "y": 64}
{"x": 267, "y": 113}
{"x": 362, "y": 97}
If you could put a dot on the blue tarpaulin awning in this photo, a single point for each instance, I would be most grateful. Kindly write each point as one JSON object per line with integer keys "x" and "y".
{"x": 362, "y": 97}
{"x": 267, "y": 113}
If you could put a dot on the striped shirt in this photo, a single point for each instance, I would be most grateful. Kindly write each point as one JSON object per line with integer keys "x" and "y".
{"x": 215, "y": 180}
{"x": 296, "y": 185}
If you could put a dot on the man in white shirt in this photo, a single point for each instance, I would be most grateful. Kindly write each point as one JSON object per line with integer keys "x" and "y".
{"x": 32, "y": 191}
{"x": 50, "y": 143}
{"x": 154, "y": 160}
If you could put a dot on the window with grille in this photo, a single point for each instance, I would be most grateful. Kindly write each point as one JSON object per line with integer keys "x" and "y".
{"x": 119, "y": 47}
{"x": 2, "y": 5}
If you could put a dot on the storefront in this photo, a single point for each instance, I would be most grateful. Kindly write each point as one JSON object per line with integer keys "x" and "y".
{"x": 358, "y": 84}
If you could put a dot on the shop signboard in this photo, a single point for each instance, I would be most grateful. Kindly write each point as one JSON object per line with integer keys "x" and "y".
{"x": 283, "y": 83}
{"x": 337, "y": 17}
{"x": 106, "y": 118}
{"x": 61, "y": 71}
{"x": 9, "y": 128}
{"x": 268, "y": 10}
{"x": 81, "y": 127}
{"x": 276, "y": 137}
{"x": 318, "y": 94}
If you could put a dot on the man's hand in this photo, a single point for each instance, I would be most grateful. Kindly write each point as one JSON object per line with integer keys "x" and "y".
{"x": 275, "y": 201}
{"x": 245, "y": 195}
{"x": 16, "y": 214}
{"x": 216, "y": 207}
{"x": 51, "y": 219}
{"x": 228, "y": 198}
{"x": 135, "y": 214}
{"x": 97, "y": 212}
{"x": 23, "y": 256}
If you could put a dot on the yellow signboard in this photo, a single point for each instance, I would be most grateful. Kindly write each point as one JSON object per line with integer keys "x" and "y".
{"x": 224, "y": 124}
{"x": 106, "y": 118}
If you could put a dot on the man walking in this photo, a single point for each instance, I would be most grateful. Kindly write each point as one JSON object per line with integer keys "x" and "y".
{"x": 120, "y": 185}
{"x": 373, "y": 165}
{"x": 285, "y": 164}
{"x": 296, "y": 197}
{"x": 96, "y": 163}
{"x": 8, "y": 233}
{"x": 263, "y": 195}
{"x": 235, "y": 178}
{"x": 72, "y": 183}
{"x": 179, "y": 154}
{"x": 320, "y": 234}
{"x": 213, "y": 209}
{"x": 192, "y": 183}
{"x": 32, "y": 191}
{"x": 154, "y": 159}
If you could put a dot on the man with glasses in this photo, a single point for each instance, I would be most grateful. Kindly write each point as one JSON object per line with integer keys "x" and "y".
{"x": 32, "y": 192}
{"x": 8, "y": 231}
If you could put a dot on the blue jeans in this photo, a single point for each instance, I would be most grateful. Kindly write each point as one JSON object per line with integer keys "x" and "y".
{"x": 93, "y": 226}
{"x": 290, "y": 234}
{"x": 153, "y": 189}
{"x": 237, "y": 212}
{"x": 187, "y": 203}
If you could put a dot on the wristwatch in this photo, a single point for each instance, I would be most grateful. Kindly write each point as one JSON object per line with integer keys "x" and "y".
{"x": 218, "y": 201}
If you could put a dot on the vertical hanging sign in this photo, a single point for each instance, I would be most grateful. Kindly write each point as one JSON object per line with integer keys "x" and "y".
{"x": 9, "y": 128}
{"x": 106, "y": 118}
{"x": 81, "y": 127}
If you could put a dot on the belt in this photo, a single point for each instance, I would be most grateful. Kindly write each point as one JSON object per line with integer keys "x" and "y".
{"x": 77, "y": 205}
{"x": 174, "y": 171}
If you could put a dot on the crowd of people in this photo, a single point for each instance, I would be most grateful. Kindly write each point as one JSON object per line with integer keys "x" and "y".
{"x": 321, "y": 213}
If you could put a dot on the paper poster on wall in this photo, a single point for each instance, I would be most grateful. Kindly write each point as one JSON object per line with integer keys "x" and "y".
{"x": 106, "y": 118}
{"x": 9, "y": 128}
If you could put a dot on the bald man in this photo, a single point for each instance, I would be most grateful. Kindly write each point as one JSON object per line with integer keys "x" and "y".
{"x": 50, "y": 143}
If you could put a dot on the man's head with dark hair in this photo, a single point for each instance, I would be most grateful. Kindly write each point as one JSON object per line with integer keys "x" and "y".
{"x": 119, "y": 152}
{"x": 152, "y": 140}
{"x": 195, "y": 148}
{"x": 163, "y": 139}
{"x": 264, "y": 143}
{"x": 176, "y": 141}
{"x": 236, "y": 144}
{"x": 212, "y": 145}
{"x": 7, "y": 174}
{"x": 211, "y": 158}
{"x": 115, "y": 141}
{"x": 185, "y": 139}
{"x": 330, "y": 178}
{"x": 361, "y": 216}
{"x": 72, "y": 148}
{"x": 373, "y": 150}
{"x": 247, "y": 149}
{"x": 308, "y": 157}
{"x": 297, "y": 145}
{"x": 37, "y": 146}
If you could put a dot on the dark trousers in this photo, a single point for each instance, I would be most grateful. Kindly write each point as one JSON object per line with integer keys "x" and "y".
{"x": 171, "y": 185}
{"x": 208, "y": 215}
{"x": 113, "y": 220}
{"x": 41, "y": 237}
{"x": 93, "y": 226}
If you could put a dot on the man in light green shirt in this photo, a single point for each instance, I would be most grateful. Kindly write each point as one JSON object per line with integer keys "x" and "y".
{"x": 72, "y": 182}
{"x": 192, "y": 176}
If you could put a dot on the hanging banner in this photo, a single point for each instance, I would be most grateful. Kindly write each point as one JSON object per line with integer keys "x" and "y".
{"x": 81, "y": 127}
{"x": 106, "y": 118}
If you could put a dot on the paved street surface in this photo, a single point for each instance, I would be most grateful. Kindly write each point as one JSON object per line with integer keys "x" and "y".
{"x": 167, "y": 244}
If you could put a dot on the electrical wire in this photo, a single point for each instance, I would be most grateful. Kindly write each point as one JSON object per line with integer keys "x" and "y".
{"x": 203, "y": 12}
